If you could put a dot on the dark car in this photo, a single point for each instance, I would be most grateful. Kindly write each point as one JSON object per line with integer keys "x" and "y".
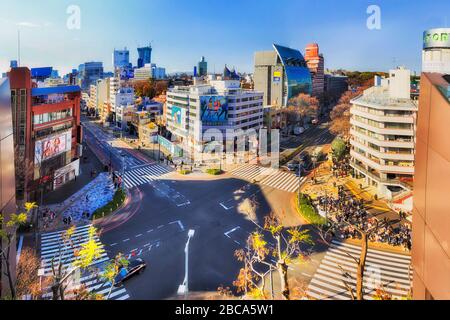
{"x": 293, "y": 165}
{"x": 134, "y": 267}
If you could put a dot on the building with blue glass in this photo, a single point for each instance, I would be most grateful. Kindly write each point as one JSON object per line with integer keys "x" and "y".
{"x": 145, "y": 56}
{"x": 281, "y": 74}
{"x": 89, "y": 73}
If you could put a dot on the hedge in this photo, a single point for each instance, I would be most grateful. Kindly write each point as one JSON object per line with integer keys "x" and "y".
{"x": 306, "y": 209}
{"x": 214, "y": 172}
{"x": 117, "y": 201}
{"x": 184, "y": 172}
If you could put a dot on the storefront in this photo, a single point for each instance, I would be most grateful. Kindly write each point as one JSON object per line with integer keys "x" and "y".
{"x": 66, "y": 174}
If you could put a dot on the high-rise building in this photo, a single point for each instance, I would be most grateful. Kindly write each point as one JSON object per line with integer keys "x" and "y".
{"x": 7, "y": 176}
{"x": 47, "y": 134}
{"x": 121, "y": 59}
{"x": 316, "y": 65}
{"x": 383, "y": 127}
{"x": 89, "y": 73}
{"x": 436, "y": 51}
{"x": 431, "y": 215}
{"x": 335, "y": 85}
{"x": 281, "y": 74}
{"x": 145, "y": 56}
{"x": 203, "y": 68}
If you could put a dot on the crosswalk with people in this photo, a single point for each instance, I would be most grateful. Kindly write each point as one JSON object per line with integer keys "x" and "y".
{"x": 144, "y": 175}
{"x": 55, "y": 252}
{"x": 277, "y": 179}
{"x": 388, "y": 271}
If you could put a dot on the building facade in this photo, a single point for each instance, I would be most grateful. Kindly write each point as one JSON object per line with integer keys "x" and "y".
{"x": 316, "y": 65}
{"x": 122, "y": 103}
{"x": 89, "y": 73}
{"x": 383, "y": 127}
{"x": 202, "y": 68}
{"x": 121, "y": 59}
{"x": 431, "y": 215}
{"x": 436, "y": 51}
{"x": 145, "y": 56}
{"x": 281, "y": 74}
{"x": 47, "y": 134}
{"x": 7, "y": 174}
{"x": 335, "y": 85}
{"x": 203, "y": 113}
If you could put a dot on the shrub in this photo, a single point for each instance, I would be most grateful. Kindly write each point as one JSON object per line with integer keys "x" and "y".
{"x": 308, "y": 211}
{"x": 184, "y": 172}
{"x": 214, "y": 172}
{"x": 116, "y": 202}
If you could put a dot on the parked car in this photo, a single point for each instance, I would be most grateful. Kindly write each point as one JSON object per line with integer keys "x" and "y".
{"x": 134, "y": 267}
{"x": 293, "y": 165}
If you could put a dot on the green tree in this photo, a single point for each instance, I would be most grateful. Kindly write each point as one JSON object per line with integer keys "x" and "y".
{"x": 8, "y": 241}
{"x": 339, "y": 149}
{"x": 112, "y": 269}
{"x": 85, "y": 255}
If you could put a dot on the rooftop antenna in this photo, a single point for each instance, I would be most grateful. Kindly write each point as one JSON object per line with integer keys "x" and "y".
{"x": 18, "y": 48}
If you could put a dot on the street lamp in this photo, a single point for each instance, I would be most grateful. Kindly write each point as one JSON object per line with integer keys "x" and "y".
{"x": 184, "y": 288}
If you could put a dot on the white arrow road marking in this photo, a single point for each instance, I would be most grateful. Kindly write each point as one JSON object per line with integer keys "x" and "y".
{"x": 227, "y": 234}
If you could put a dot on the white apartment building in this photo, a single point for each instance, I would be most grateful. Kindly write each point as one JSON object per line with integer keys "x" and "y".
{"x": 220, "y": 105}
{"x": 124, "y": 102}
{"x": 383, "y": 126}
{"x": 114, "y": 85}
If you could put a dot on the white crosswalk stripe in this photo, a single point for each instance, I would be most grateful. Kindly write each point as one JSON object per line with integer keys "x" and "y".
{"x": 54, "y": 251}
{"x": 140, "y": 176}
{"x": 274, "y": 178}
{"x": 389, "y": 271}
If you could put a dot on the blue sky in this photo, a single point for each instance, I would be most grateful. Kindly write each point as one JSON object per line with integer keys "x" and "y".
{"x": 225, "y": 32}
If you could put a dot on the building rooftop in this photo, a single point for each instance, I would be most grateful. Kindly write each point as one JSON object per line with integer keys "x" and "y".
{"x": 41, "y": 72}
{"x": 380, "y": 96}
{"x": 54, "y": 90}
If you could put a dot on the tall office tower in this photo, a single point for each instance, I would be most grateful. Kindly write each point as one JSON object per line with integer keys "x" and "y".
{"x": 145, "y": 56}
{"x": 7, "y": 175}
{"x": 383, "y": 127}
{"x": 89, "y": 73}
{"x": 281, "y": 74}
{"x": 436, "y": 51}
{"x": 431, "y": 215}
{"x": 316, "y": 65}
{"x": 203, "y": 68}
{"x": 121, "y": 59}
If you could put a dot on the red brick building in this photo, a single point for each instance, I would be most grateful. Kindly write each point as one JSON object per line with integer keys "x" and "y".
{"x": 47, "y": 134}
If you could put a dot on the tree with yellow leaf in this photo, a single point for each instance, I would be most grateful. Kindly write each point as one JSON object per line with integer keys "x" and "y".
{"x": 112, "y": 270}
{"x": 84, "y": 256}
{"x": 8, "y": 240}
{"x": 258, "y": 256}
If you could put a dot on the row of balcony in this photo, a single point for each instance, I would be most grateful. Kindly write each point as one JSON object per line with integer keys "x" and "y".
{"x": 383, "y": 131}
{"x": 383, "y": 118}
{"x": 382, "y": 168}
{"x": 383, "y": 155}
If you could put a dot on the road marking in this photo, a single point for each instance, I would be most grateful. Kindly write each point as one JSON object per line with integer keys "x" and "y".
{"x": 139, "y": 235}
{"x": 140, "y": 252}
{"x": 149, "y": 231}
{"x": 160, "y": 227}
{"x": 227, "y": 234}
{"x": 147, "y": 245}
{"x": 114, "y": 244}
{"x": 180, "y": 224}
{"x": 126, "y": 240}
{"x": 225, "y": 207}
{"x": 237, "y": 242}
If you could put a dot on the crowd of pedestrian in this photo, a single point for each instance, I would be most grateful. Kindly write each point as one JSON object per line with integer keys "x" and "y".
{"x": 341, "y": 168}
{"x": 350, "y": 215}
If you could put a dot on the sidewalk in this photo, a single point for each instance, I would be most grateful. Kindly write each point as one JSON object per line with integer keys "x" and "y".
{"x": 80, "y": 206}
{"x": 70, "y": 188}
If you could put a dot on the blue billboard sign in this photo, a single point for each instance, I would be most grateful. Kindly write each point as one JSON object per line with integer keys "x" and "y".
{"x": 214, "y": 109}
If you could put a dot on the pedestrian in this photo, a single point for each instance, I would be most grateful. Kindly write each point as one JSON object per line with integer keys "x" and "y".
{"x": 87, "y": 197}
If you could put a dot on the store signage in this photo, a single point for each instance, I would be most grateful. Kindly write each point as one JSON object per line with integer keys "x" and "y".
{"x": 436, "y": 38}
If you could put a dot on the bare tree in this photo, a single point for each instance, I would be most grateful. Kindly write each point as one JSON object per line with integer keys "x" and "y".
{"x": 258, "y": 254}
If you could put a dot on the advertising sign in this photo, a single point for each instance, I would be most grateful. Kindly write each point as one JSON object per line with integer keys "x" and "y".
{"x": 436, "y": 38}
{"x": 276, "y": 76}
{"x": 177, "y": 116}
{"x": 52, "y": 146}
{"x": 66, "y": 174}
{"x": 214, "y": 110}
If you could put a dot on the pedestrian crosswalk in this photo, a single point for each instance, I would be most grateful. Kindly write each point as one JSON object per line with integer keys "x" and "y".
{"x": 277, "y": 179}
{"x": 384, "y": 270}
{"x": 143, "y": 175}
{"x": 55, "y": 252}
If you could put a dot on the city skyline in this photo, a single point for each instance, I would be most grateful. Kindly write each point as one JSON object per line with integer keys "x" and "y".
{"x": 341, "y": 32}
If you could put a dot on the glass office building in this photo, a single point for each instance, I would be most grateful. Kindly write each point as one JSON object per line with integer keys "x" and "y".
{"x": 281, "y": 74}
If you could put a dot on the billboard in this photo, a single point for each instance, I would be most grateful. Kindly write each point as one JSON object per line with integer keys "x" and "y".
{"x": 276, "y": 76}
{"x": 52, "y": 146}
{"x": 436, "y": 38}
{"x": 213, "y": 110}
{"x": 177, "y": 116}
